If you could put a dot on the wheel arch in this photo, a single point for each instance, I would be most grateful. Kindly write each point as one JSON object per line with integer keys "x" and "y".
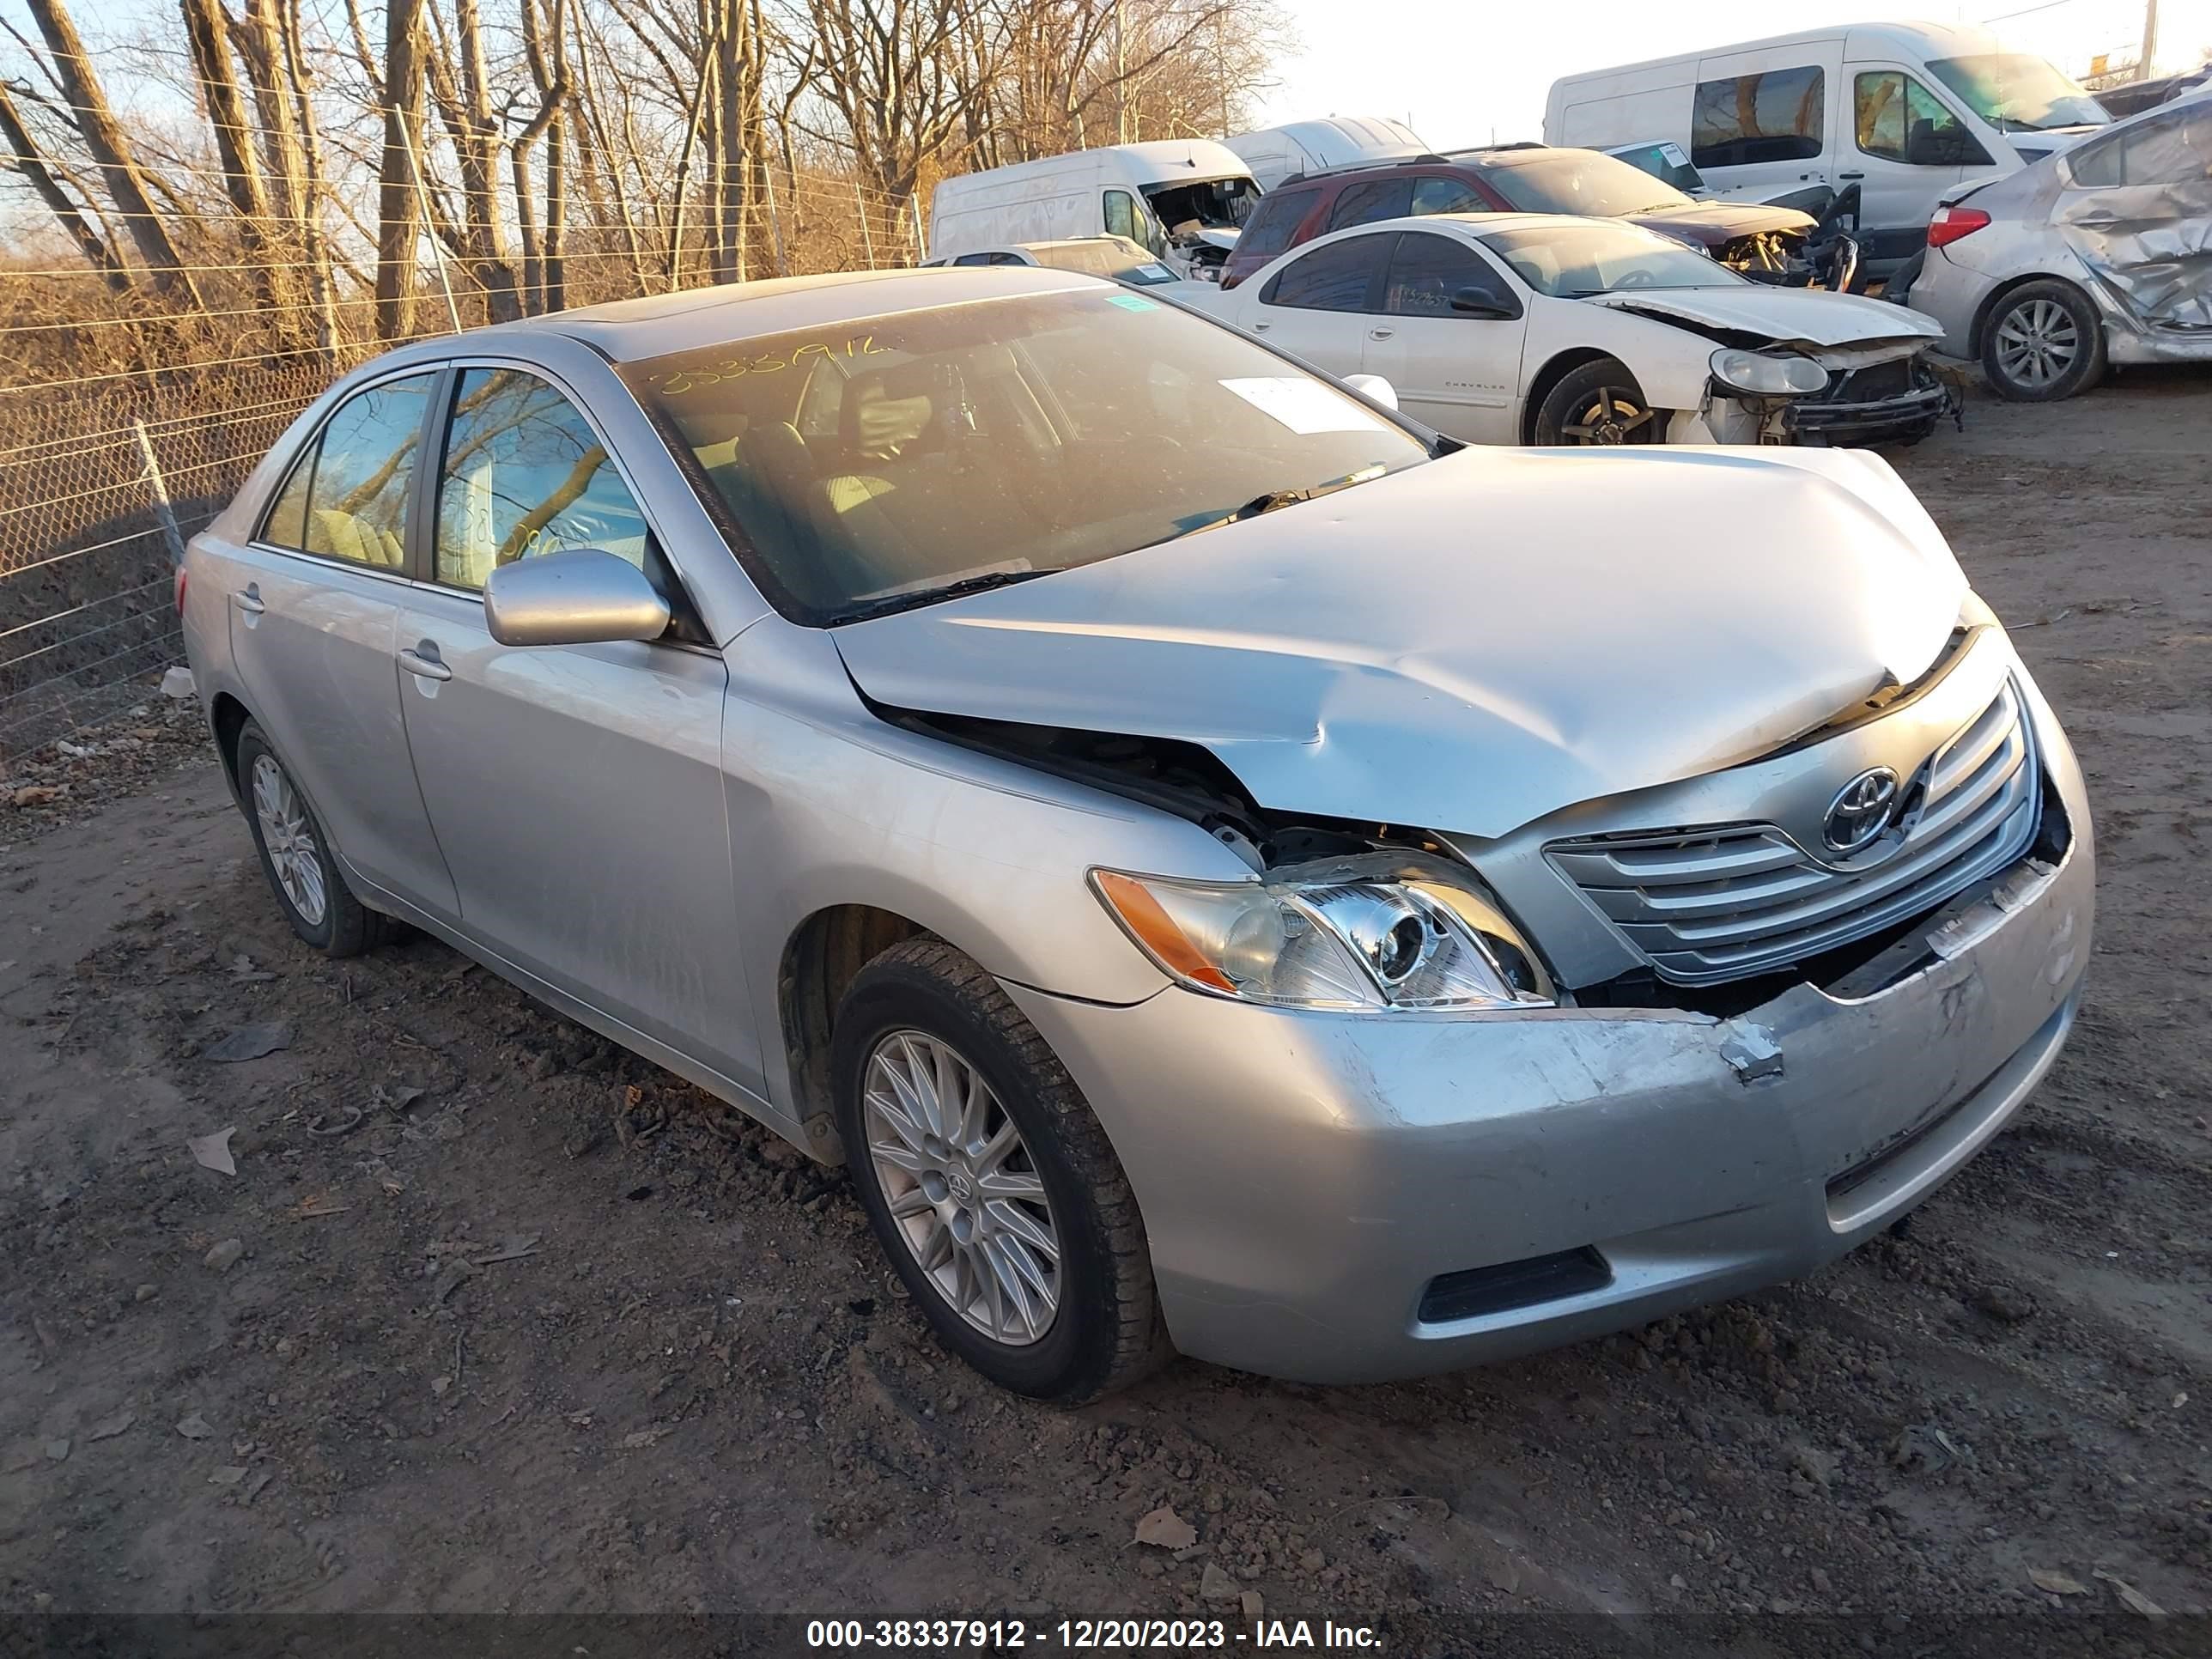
{"x": 227, "y": 718}
{"x": 1988, "y": 308}
{"x": 1556, "y": 369}
{"x": 822, "y": 956}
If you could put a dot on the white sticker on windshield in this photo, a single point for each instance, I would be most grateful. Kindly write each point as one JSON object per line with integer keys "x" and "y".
{"x": 1304, "y": 405}
{"x": 1673, "y": 155}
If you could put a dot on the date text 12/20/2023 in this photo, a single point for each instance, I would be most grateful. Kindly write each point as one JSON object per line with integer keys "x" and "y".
{"x": 1106, "y": 1635}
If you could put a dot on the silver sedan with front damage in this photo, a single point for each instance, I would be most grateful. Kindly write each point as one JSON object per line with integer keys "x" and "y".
{"x": 1227, "y": 868}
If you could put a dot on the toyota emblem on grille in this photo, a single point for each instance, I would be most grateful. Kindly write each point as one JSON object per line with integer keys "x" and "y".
{"x": 1861, "y": 810}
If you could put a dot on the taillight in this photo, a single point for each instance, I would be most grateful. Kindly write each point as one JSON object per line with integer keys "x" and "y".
{"x": 180, "y": 590}
{"x": 1950, "y": 223}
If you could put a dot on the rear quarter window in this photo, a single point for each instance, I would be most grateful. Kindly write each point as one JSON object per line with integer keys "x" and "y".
{"x": 1275, "y": 222}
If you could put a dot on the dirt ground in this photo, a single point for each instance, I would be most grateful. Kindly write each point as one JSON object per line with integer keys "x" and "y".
{"x": 518, "y": 1322}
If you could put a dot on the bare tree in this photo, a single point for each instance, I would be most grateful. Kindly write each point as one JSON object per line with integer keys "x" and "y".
{"x": 29, "y": 160}
{"x": 399, "y": 91}
{"x": 110, "y": 151}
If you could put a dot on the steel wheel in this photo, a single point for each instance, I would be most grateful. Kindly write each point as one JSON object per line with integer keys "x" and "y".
{"x": 289, "y": 834}
{"x": 963, "y": 1190}
{"x": 1613, "y": 417}
{"x": 2038, "y": 343}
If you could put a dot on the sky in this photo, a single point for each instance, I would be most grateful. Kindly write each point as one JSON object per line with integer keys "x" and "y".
{"x": 1460, "y": 72}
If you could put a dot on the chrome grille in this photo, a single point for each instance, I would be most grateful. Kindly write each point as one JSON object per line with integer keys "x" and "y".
{"x": 1707, "y": 905}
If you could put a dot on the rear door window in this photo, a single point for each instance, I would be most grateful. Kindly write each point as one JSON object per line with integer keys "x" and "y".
{"x": 1374, "y": 199}
{"x": 1339, "y": 276}
{"x": 2174, "y": 151}
{"x": 1774, "y": 115}
{"x": 347, "y": 496}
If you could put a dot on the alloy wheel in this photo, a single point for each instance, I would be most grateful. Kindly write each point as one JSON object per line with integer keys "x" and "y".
{"x": 964, "y": 1194}
{"x": 1611, "y": 417}
{"x": 288, "y": 835}
{"x": 2038, "y": 343}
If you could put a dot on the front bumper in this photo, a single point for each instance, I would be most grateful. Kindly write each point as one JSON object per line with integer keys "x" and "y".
{"x": 1850, "y": 419}
{"x": 1306, "y": 1178}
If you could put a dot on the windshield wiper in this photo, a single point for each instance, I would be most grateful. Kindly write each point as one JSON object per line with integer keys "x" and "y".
{"x": 1278, "y": 498}
{"x": 892, "y": 603}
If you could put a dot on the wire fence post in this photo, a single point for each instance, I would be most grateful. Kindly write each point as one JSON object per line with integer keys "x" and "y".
{"x": 920, "y": 243}
{"x": 429, "y": 229}
{"x": 164, "y": 515}
{"x": 860, "y": 207}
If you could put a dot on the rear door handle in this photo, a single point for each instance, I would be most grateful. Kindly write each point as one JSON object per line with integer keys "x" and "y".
{"x": 1381, "y": 333}
{"x": 250, "y": 600}
{"x": 429, "y": 667}
{"x": 1850, "y": 175}
{"x": 1262, "y": 328}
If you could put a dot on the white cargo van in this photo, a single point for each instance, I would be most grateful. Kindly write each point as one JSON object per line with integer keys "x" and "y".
{"x": 1184, "y": 199}
{"x": 1274, "y": 153}
{"x": 1904, "y": 110}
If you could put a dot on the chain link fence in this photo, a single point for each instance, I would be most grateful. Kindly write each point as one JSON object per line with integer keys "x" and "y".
{"x": 122, "y": 434}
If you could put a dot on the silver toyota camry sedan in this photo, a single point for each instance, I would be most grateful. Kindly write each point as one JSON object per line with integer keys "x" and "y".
{"x": 1226, "y": 869}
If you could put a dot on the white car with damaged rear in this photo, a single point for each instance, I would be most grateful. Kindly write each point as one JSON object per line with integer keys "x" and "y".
{"x": 1551, "y": 329}
{"x": 1226, "y": 867}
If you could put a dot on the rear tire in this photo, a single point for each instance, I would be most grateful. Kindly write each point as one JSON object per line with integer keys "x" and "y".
{"x": 1599, "y": 403}
{"x": 296, "y": 857}
{"x": 924, "y": 1025}
{"x": 2043, "y": 342}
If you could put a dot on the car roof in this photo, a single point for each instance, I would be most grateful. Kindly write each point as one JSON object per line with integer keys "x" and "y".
{"x": 627, "y": 330}
{"x": 1485, "y": 224}
{"x": 1517, "y": 156}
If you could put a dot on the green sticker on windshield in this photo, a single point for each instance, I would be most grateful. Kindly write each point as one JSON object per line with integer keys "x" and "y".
{"x": 1132, "y": 302}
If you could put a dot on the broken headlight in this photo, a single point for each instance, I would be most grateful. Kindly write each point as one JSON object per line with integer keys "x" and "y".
{"x": 1765, "y": 376}
{"x": 1364, "y": 934}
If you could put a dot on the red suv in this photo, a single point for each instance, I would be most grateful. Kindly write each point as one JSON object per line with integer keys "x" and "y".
{"x": 1763, "y": 242}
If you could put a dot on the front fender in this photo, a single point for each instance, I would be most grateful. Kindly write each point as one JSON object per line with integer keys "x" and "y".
{"x": 830, "y": 805}
{"x": 1670, "y": 364}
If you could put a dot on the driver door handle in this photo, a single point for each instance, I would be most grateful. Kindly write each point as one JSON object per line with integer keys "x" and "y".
{"x": 1381, "y": 333}
{"x": 429, "y": 667}
{"x": 1850, "y": 175}
{"x": 1261, "y": 327}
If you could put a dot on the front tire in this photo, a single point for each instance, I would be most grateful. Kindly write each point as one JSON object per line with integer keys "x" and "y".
{"x": 987, "y": 1181}
{"x": 295, "y": 855}
{"x": 2043, "y": 342}
{"x": 1601, "y": 404}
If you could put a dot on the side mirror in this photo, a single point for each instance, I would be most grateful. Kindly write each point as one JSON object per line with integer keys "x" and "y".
{"x": 1374, "y": 388}
{"x": 584, "y": 596}
{"x": 1477, "y": 302}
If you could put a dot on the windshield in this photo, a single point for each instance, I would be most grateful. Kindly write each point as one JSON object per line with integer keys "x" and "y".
{"x": 1669, "y": 163}
{"x": 872, "y": 463}
{"x": 1572, "y": 262}
{"x": 2014, "y": 93}
{"x": 1211, "y": 203}
{"x": 1581, "y": 181}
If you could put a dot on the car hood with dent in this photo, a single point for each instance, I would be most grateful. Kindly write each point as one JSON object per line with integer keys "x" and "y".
{"x": 1712, "y": 224}
{"x": 1810, "y": 314}
{"x": 1471, "y": 643}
